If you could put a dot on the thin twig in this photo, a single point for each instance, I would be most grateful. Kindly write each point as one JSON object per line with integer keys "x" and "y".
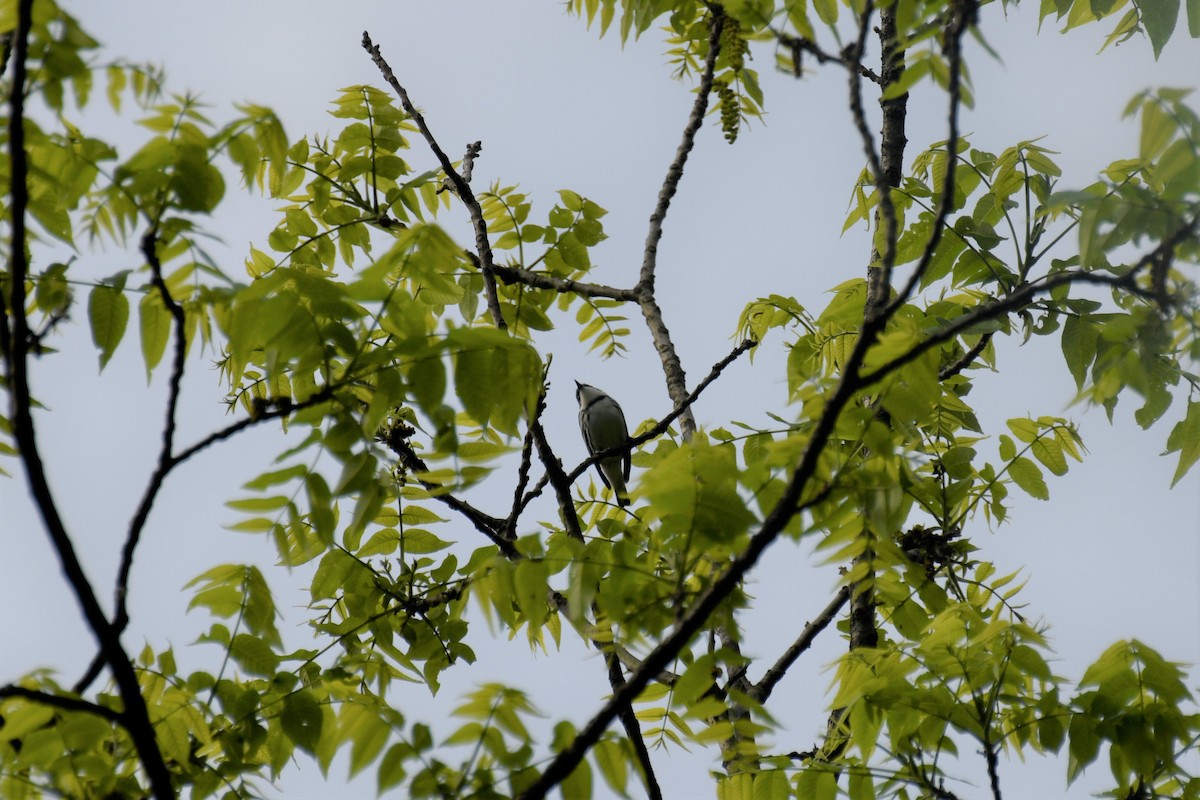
{"x": 1026, "y": 294}
{"x": 510, "y": 525}
{"x": 762, "y": 690}
{"x": 461, "y": 187}
{"x": 967, "y": 358}
{"x": 798, "y": 44}
{"x": 491, "y": 527}
{"x": 672, "y": 368}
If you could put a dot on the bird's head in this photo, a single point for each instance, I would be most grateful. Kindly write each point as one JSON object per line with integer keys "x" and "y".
{"x": 584, "y": 393}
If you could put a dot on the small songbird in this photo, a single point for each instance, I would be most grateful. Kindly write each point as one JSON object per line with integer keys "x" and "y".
{"x": 603, "y": 426}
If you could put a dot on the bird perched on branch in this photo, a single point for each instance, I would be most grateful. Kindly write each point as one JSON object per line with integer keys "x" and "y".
{"x": 603, "y": 426}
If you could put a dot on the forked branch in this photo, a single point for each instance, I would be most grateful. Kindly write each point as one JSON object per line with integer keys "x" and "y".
{"x": 672, "y": 368}
{"x": 461, "y": 187}
{"x": 14, "y": 343}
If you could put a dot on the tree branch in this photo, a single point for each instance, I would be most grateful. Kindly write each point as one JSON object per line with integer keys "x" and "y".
{"x": 797, "y": 45}
{"x": 510, "y": 524}
{"x": 63, "y": 702}
{"x": 761, "y": 691}
{"x": 883, "y": 175}
{"x": 673, "y": 369}
{"x": 540, "y": 280}
{"x": 461, "y": 187}
{"x": 165, "y": 459}
{"x": 559, "y": 480}
{"x": 1026, "y": 293}
{"x": 491, "y": 527}
{"x": 15, "y": 346}
{"x": 950, "y": 370}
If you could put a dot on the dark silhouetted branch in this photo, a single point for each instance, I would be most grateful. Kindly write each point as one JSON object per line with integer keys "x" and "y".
{"x": 14, "y": 343}
{"x": 491, "y": 527}
{"x": 62, "y": 702}
{"x": 165, "y": 457}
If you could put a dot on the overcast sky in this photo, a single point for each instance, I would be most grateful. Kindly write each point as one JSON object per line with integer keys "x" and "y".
{"x": 1114, "y": 554}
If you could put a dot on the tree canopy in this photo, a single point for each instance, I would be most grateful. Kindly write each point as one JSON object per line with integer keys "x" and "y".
{"x": 390, "y": 335}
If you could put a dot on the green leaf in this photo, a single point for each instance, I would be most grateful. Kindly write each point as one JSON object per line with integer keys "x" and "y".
{"x": 614, "y": 766}
{"x": 773, "y": 785}
{"x": 1158, "y": 18}
{"x": 1025, "y": 429}
{"x": 155, "y": 326}
{"x": 1050, "y": 453}
{"x": 1079, "y": 347}
{"x": 108, "y": 312}
{"x": 391, "y": 768}
{"x": 529, "y": 580}
{"x": 1028, "y": 476}
{"x": 1185, "y": 438}
{"x": 367, "y": 733}
{"x": 302, "y": 720}
{"x": 1158, "y": 129}
{"x": 255, "y": 655}
{"x": 827, "y": 10}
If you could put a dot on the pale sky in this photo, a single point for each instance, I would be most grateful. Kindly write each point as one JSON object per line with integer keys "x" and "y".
{"x": 1112, "y": 555}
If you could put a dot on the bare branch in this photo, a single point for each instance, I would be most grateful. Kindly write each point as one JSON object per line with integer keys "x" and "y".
{"x": 798, "y": 45}
{"x": 879, "y": 269}
{"x": 993, "y": 771}
{"x": 540, "y": 280}
{"x": 675, "y": 171}
{"x": 510, "y": 525}
{"x": 673, "y": 369}
{"x": 468, "y": 162}
{"x": 461, "y": 187}
{"x": 762, "y": 690}
{"x": 950, "y": 370}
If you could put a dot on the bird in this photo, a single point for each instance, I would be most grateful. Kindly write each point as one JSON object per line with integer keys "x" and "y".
{"x": 602, "y": 424}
